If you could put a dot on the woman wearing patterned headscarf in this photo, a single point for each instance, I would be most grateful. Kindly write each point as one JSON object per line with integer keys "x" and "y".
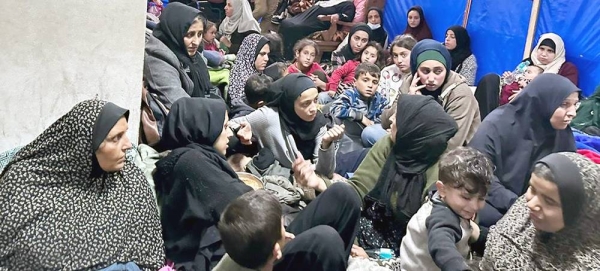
{"x": 252, "y": 58}
{"x": 554, "y": 226}
{"x": 71, "y": 200}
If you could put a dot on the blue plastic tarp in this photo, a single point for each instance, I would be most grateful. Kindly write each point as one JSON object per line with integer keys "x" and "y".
{"x": 498, "y": 30}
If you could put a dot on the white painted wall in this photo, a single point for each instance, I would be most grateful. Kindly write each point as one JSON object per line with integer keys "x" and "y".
{"x": 54, "y": 54}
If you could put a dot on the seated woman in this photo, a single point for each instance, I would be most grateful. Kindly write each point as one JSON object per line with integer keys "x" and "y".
{"x": 518, "y": 134}
{"x": 430, "y": 64}
{"x": 71, "y": 200}
{"x": 550, "y": 55}
{"x": 197, "y": 132}
{"x": 291, "y": 123}
{"x": 464, "y": 62}
{"x": 318, "y": 17}
{"x": 173, "y": 68}
{"x": 554, "y": 226}
{"x": 417, "y": 25}
{"x": 252, "y": 58}
{"x": 360, "y": 36}
{"x": 375, "y": 22}
{"x": 237, "y": 25}
{"x": 394, "y": 177}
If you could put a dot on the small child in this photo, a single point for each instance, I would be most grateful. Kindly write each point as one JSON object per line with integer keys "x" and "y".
{"x": 363, "y": 103}
{"x": 214, "y": 54}
{"x": 438, "y": 235}
{"x": 305, "y": 52}
{"x": 343, "y": 78}
{"x": 510, "y": 91}
{"x": 258, "y": 93}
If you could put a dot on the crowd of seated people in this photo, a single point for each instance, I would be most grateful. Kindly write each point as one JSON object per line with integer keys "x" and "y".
{"x": 248, "y": 175}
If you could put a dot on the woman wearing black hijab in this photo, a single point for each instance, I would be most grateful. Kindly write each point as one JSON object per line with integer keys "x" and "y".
{"x": 520, "y": 133}
{"x": 394, "y": 177}
{"x": 194, "y": 182}
{"x": 71, "y": 200}
{"x": 359, "y": 37}
{"x": 173, "y": 62}
{"x": 291, "y": 123}
{"x": 458, "y": 42}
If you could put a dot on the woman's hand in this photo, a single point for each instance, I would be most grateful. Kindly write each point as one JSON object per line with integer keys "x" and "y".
{"x": 506, "y": 74}
{"x": 334, "y": 134}
{"x": 514, "y": 95}
{"x": 318, "y": 82}
{"x": 304, "y": 174}
{"x": 225, "y": 41}
{"x": 358, "y": 252}
{"x": 245, "y": 133}
{"x": 334, "y": 18}
{"x": 414, "y": 89}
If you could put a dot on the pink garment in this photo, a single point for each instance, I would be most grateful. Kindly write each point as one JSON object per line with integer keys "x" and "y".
{"x": 594, "y": 156}
{"x": 211, "y": 46}
{"x": 315, "y": 67}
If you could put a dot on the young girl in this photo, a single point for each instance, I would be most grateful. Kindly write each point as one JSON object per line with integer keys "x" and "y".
{"x": 214, "y": 54}
{"x": 343, "y": 78}
{"x": 305, "y": 51}
{"x": 393, "y": 75}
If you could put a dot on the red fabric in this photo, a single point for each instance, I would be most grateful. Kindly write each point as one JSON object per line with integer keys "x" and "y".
{"x": 315, "y": 67}
{"x": 211, "y": 46}
{"x": 592, "y": 155}
{"x": 344, "y": 74}
{"x": 507, "y": 91}
{"x": 569, "y": 70}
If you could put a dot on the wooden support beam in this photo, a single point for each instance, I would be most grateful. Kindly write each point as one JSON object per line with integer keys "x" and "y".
{"x": 535, "y": 10}
{"x": 466, "y": 14}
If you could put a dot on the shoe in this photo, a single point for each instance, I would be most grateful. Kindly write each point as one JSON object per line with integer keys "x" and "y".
{"x": 277, "y": 19}
{"x": 230, "y": 57}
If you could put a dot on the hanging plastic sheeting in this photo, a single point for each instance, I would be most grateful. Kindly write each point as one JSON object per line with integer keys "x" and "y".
{"x": 439, "y": 15}
{"x": 498, "y": 31}
{"x": 577, "y": 22}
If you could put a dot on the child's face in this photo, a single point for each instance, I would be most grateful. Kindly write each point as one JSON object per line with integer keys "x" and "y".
{"x": 306, "y": 56}
{"x": 401, "y": 57}
{"x": 210, "y": 34}
{"x": 366, "y": 84}
{"x": 529, "y": 74}
{"x": 463, "y": 203}
{"x": 369, "y": 55}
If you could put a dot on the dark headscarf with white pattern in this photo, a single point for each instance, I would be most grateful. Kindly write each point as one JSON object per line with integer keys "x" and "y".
{"x": 57, "y": 215}
{"x": 244, "y": 65}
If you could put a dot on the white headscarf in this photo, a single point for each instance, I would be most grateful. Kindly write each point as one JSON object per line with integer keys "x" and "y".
{"x": 241, "y": 20}
{"x": 330, "y": 3}
{"x": 559, "y": 59}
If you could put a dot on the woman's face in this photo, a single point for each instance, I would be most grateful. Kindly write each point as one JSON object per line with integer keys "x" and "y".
{"x": 393, "y": 128}
{"x": 260, "y": 63}
{"x": 221, "y": 143}
{"x": 401, "y": 57}
{"x": 369, "y": 55}
{"x": 306, "y": 56}
{"x": 373, "y": 17}
{"x": 432, "y": 74}
{"x": 545, "y": 208}
{"x": 566, "y": 112}
{"x": 545, "y": 54}
{"x": 358, "y": 41}
{"x": 229, "y": 9}
{"x": 193, "y": 37}
{"x": 450, "y": 41}
{"x": 111, "y": 153}
{"x": 414, "y": 19}
{"x": 305, "y": 105}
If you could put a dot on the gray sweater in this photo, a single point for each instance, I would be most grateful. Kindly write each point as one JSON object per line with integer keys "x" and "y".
{"x": 266, "y": 126}
{"x": 164, "y": 73}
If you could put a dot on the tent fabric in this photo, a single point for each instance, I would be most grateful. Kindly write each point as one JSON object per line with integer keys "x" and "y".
{"x": 498, "y": 30}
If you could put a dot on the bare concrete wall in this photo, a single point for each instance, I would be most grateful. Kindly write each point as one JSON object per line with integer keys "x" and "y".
{"x": 54, "y": 54}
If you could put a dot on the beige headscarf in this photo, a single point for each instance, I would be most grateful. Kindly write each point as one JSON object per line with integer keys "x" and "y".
{"x": 515, "y": 244}
{"x": 241, "y": 20}
{"x": 559, "y": 59}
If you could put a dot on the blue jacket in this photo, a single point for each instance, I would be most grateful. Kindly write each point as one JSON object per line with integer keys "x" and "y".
{"x": 351, "y": 105}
